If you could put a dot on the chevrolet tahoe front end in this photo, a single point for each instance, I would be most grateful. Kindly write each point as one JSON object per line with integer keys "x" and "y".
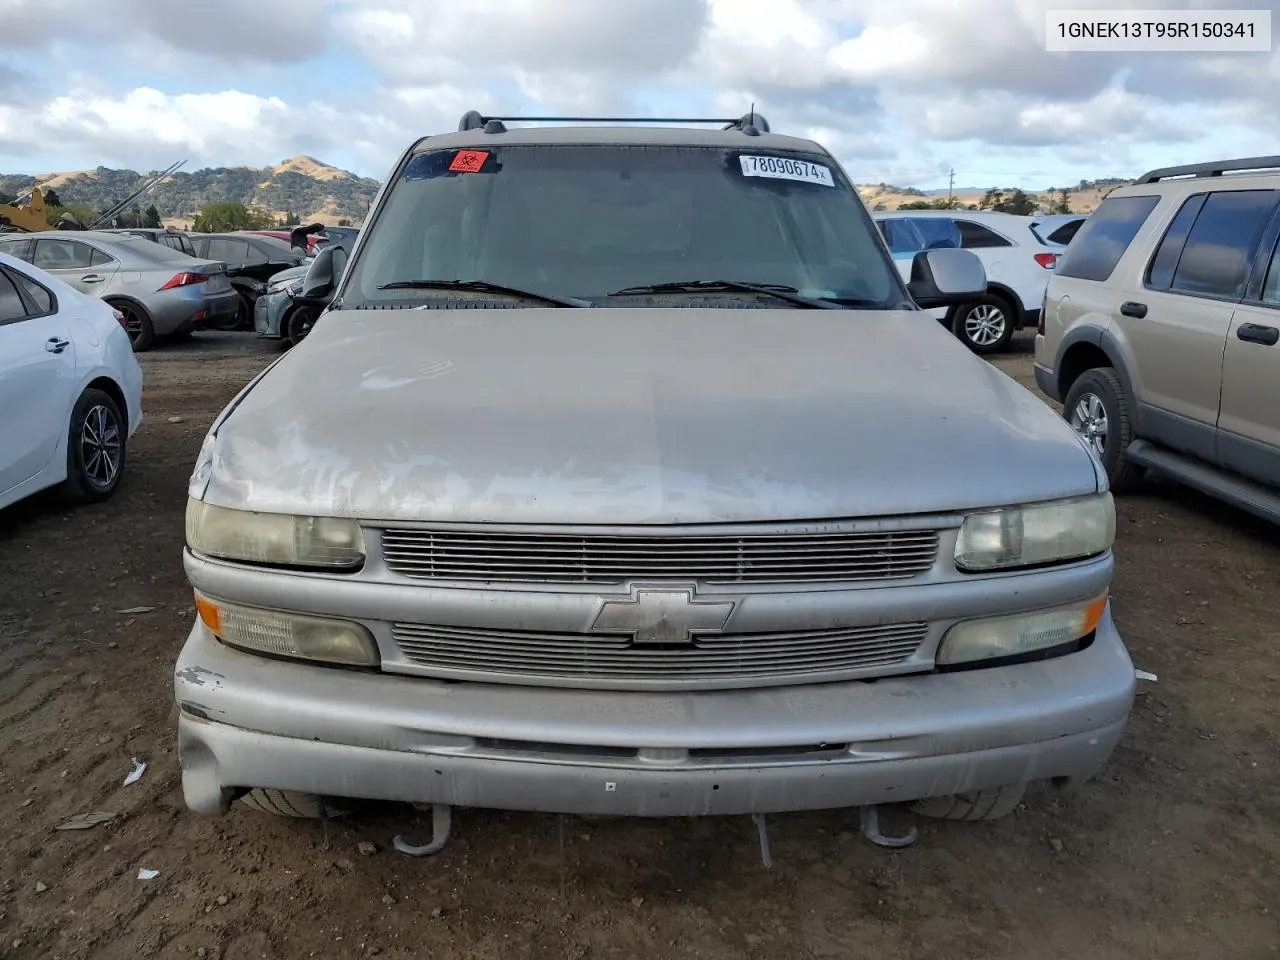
{"x": 586, "y": 544}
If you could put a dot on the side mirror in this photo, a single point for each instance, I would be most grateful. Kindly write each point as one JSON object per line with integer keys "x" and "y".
{"x": 945, "y": 277}
{"x": 324, "y": 273}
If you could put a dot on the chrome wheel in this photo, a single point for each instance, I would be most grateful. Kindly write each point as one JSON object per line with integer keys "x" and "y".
{"x": 984, "y": 325}
{"x": 1089, "y": 419}
{"x": 100, "y": 446}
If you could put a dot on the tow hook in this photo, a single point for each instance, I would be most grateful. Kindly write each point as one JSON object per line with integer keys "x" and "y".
{"x": 870, "y": 816}
{"x": 441, "y": 827}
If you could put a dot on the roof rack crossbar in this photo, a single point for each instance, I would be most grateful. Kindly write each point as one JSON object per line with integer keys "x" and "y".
{"x": 475, "y": 120}
{"x": 1213, "y": 169}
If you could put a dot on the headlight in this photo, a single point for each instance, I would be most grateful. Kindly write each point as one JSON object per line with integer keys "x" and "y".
{"x": 288, "y": 634}
{"x": 1038, "y": 533}
{"x": 278, "y": 539}
{"x": 292, "y": 285}
{"x": 1023, "y": 636}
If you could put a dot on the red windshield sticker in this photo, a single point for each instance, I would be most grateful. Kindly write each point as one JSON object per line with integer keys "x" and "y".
{"x": 468, "y": 161}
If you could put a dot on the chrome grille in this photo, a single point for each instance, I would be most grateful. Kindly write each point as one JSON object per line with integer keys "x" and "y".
{"x": 784, "y": 557}
{"x": 525, "y": 655}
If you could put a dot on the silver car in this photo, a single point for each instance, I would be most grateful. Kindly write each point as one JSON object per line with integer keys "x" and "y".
{"x": 625, "y": 475}
{"x": 162, "y": 292}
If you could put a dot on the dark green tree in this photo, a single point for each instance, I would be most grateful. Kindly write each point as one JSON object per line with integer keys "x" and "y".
{"x": 993, "y": 199}
{"x": 1062, "y": 204}
{"x": 151, "y": 217}
{"x": 228, "y": 216}
{"x": 1018, "y": 202}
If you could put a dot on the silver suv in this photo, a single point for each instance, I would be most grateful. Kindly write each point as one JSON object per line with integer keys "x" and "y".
{"x": 1161, "y": 331}
{"x": 622, "y": 475}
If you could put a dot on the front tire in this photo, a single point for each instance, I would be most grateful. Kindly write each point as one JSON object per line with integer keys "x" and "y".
{"x": 290, "y": 804}
{"x": 984, "y": 326}
{"x": 299, "y": 323}
{"x": 1098, "y": 409}
{"x": 975, "y": 805}
{"x": 96, "y": 448}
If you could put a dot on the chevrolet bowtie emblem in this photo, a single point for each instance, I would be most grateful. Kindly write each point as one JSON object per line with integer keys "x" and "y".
{"x": 662, "y": 616}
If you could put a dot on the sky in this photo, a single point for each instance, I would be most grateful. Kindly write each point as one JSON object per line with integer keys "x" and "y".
{"x": 900, "y": 91}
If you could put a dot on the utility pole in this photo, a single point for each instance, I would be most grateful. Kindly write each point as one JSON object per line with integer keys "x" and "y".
{"x": 951, "y": 183}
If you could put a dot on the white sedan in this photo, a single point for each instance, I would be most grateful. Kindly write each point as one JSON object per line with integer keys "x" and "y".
{"x": 70, "y": 388}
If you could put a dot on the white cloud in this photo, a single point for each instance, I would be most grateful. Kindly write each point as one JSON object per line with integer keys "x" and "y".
{"x": 911, "y": 86}
{"x": 145, "y": 128}
{"x": 279, "y": 31}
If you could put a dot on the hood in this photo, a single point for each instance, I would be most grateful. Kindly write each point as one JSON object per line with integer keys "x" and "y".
{"x": 637, "y": 416}
{"x": 290, "y": 273}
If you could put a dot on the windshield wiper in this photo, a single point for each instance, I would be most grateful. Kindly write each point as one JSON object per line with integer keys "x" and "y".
{"x": 483, "y": 286}
{"x": 779, "y": 290}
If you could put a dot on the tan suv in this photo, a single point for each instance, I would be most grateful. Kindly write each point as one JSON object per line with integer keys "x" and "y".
{"x": 1160, "y": 332}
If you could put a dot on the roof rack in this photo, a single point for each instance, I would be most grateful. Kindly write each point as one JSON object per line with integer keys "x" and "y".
{"x": 752, "y": 124}
{"x": 1215, "y": 169}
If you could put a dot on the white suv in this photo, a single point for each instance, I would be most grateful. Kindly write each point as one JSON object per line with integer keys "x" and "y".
{"x": 1017, "y": 260}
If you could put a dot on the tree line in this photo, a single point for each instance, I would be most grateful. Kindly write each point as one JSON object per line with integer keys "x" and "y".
{"x": 997, "y": 201}
{"x": 219, "y": 217}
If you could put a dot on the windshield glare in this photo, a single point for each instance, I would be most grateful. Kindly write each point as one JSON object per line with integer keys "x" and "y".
{"x": 584, "y": 221}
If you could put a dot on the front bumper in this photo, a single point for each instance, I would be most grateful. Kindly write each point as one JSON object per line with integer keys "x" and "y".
{"x": 247, "y": 721}
{"x": 268, "y": 313}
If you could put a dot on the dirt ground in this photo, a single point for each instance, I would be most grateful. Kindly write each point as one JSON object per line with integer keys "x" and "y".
{"x": 1173, "y": 852}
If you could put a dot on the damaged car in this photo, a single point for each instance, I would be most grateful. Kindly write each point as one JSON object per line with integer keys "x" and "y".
{"x": 624, "y": 474}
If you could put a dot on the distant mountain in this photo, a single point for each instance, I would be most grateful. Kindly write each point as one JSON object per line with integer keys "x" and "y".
{"x": 301, "y": 185}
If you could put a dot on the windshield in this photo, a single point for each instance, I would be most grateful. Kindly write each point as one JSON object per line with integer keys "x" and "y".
{"x": 585, "y": 221}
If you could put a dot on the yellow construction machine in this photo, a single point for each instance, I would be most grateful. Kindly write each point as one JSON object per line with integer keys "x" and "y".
{"x": 26, "y": 219}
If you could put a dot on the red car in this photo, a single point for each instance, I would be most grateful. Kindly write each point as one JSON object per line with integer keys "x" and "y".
{"x": 285, "y": 236}
{"x": 317, "y": 236}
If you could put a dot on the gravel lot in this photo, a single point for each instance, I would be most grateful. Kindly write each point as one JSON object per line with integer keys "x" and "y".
{"x": 1172, "y": 852}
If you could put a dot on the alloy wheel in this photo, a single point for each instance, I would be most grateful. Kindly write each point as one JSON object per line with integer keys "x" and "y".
{"x": 1089, "y": 419}
{"x": 984, "y": 325}
{"x": 100, "y": 446}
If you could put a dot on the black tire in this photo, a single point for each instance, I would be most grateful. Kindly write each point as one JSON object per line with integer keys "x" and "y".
{"x": 96, "y": 448}
{"x": 244, "y": 314}
{"x": 1100, "y": 390}
{"x": 299, "y": 323}
{"x": 291, "y": 804}
{"x": 985, "y": 326}
{"x": 137, "y": 323}
{"x": 975, "y": 805}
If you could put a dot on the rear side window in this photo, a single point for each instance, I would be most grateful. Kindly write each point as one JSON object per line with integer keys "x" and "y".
{"x": 37, "y": 294}
{"x": 1219, "y": 248}
{"x": 11, "y": 306}
{"x": 1160, "y": 273}
{"x": 976, "y": 236}
{"x": 1101, "y": 242}
{"x": 1065, "y": 232}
